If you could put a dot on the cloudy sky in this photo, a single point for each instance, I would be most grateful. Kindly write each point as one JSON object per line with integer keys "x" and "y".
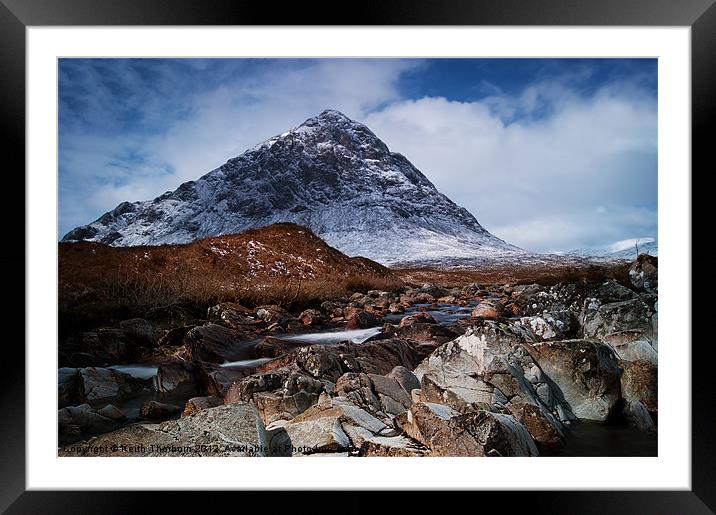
{"x": 548, "y": 154}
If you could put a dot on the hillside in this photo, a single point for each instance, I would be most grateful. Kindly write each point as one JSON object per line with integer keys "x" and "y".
{"x": 283, "y": 263}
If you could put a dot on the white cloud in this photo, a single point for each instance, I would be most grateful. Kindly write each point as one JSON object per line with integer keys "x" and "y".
{"x": 223, "y": 123}
{"x": 573, "y": 171}
{"x": 538, "y": 182}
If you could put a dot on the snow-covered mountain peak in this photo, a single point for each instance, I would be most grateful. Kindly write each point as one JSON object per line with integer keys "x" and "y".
{"x": 331, "y": 174}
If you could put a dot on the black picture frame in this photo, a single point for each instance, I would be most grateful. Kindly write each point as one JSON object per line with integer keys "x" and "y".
{"x": 17, "y": 15}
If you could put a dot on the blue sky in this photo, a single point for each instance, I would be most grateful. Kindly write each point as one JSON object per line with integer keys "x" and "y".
{"x": 548, "y": 154}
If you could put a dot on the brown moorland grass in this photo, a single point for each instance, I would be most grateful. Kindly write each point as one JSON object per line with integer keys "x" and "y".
{"x": 547, "y": 274}
{"x": 283, "y": 264}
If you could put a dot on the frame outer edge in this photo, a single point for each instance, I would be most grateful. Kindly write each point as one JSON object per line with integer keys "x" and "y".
{"x": 376, "y": 12}
{"x": 12, "y": 142}
{"x": 703, "y": 113}
{"x": 12, "y": 91}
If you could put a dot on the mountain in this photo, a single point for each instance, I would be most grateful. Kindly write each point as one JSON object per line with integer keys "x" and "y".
{"x": 623, "y": 249}
{"x": 330, "y": 174}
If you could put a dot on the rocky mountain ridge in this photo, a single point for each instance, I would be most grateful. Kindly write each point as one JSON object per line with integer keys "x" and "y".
{"x": 330, "y": 174}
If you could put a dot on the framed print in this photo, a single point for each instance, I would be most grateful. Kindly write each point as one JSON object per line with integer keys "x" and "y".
{"x": 416, "y": 249}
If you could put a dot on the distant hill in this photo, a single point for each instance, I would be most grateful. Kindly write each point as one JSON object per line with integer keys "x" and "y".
{"x": 624, "y": 249}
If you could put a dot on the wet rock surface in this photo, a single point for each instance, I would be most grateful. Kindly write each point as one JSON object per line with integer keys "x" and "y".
{"x": 479, "y": 370}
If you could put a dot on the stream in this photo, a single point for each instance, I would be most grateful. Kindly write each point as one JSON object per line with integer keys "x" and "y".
{"x": 584, "y": 438}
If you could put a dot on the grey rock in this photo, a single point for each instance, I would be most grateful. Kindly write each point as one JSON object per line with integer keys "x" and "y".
{"x": 98, "y": 384}
{"x": 231, "y": 430}
{"x": 586, "y": 372}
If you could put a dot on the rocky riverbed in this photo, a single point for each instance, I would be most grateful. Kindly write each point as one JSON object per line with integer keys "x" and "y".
{"x": 476, "y": 370}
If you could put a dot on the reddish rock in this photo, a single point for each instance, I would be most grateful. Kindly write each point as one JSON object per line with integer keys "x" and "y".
{"x": 158, "y": 410}
{"x": 448, "y": 433}
{"x": 216, "y": 344}
{"x": 538, "y": 425}
{"x": 362, "y": 320}
{"x": 196, "y": 404}
{"x": 639, "y": 381}
{"x": 271, "y": 347}
{"x": 488, "y": 309}
{"x": 423, "y": 318}
{"x": 311, "y": 318}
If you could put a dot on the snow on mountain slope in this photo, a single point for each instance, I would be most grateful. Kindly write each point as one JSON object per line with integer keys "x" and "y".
{"x": 623, "y": 249}
{"x": 330, "y": 174}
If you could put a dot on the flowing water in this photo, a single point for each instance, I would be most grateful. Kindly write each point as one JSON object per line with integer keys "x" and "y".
{"x": 442, "y": 313}
{"x": 138, "y": 371}
{"x": 327, "y": 337}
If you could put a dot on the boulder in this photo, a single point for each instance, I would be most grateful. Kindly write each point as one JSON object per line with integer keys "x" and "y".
{"x": 396, "y": 308}
{"x": 281, "y": 406}
{"x": 447, "y": 433}
{"x": 637, "y": 415}
{"x": 489, "y": 369}
{"x": 639, "y": 382}
{"x": 331, "y": 426}
{"x": 362, "y": 319}
{"x": 173, "y": 376}
{"x": 358, "y": 389}
{"x": 534, "y": 299}
{"x": 271, "y": 347}
{"x": 318, "y": 435}
{"x": 200, "y": 403}
{"x": 282, "y": 394}
{"x": 233, "y": 430}
{"x": 405, "y": 378}
{"x": 434, "y": 290}
{"x": 333, "y": 308}
{"x": 311, "y": 318}
{"x": 112, "y": 412}
{"x": 416, "y": 298}
{"x": 378, "y": 394}
{"x": 216, "y": 344}
{"x": 420, "y": 317}
{"x": 473, "y": 289}
{"x": 158, "y": 410}
{"x": 643, "y": 273}
{"x": 557, "y": 325}
{"x": 375, "y": 357}
{"x": 586, "y": 373}
{"x": 602, "y": 320}
{"x": 392, "y": 446}
{"x": 272, "y": 314}
{"x": 174, "y": 337}
{"x": 77, "y": 422}
{"x": 629, "y": 327}
{"x": 100, "y": 384}
{"x": 611, "y": 291}
{"x": 233, "y": 315}
{"x": 427, "y": 332}
{"x": 543, "y": 428}
{"x": 461, "y": 392}
{"x": 488, "y": 309}
{"x": 68, "y": 381}
{"x": 481, "y": 347}
{"x": 214, "y": 379}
